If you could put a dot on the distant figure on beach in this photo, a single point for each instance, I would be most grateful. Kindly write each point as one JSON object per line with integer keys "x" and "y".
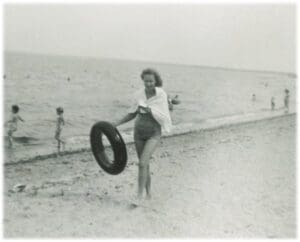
{"x": 286, "y": 100}
{"x": 151, "y": 110}
{"x": 253, "y": 97}
{"x": 59, "y": 123}
{"x": 272, "y": 103}
{"x": 173, "y": 101}
{"x": 68, "y": 79}
{"x": 13, "y": 123}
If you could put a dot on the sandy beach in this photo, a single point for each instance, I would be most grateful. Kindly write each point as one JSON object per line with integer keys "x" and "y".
{"x": 237, "y": 182}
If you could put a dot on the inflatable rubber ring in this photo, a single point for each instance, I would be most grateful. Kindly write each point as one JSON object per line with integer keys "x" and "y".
{"x": 117, "y": 144}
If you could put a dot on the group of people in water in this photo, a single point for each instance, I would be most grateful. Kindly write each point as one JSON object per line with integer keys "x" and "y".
{"x": 286, "y": 100}
{"x": 151, "y": 111}
{"x": 12, "y": 125}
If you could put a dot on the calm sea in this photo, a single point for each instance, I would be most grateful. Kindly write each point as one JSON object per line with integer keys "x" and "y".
{"x": 91, "y": 89}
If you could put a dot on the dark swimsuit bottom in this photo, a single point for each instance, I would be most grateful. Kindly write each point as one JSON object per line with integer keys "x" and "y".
{"x": 146, "y": 127}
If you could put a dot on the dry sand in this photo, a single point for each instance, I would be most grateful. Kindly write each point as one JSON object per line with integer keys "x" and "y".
{"x": 238, "y": 181}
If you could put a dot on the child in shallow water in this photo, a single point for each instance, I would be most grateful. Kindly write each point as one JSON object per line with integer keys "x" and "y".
{"x": 59, "y": 123}
{"x": 272, "y": 103}
{"x": 286, "y": 100}
{"x": 13, "y": 123}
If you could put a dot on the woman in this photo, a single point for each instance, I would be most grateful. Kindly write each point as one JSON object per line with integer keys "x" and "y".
{"x": 151, "y": 110}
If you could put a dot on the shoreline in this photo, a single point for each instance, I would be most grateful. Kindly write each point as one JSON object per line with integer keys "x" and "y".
{"x": 83, "y": 144}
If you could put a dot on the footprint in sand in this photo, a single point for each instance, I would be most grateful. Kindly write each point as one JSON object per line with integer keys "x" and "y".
{"x": 132, "y": 206}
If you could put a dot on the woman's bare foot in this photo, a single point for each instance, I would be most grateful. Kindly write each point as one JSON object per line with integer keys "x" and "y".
{"x": 134, "y": 202}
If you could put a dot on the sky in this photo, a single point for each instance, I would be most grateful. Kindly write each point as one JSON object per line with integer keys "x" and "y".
{"x": 252, "y": 36}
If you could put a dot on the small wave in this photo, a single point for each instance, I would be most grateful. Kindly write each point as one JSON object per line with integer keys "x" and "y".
{"x": 81, "y": 143}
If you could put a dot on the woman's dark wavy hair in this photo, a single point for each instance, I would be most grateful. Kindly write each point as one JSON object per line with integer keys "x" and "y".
{"x": 149, "y": 71}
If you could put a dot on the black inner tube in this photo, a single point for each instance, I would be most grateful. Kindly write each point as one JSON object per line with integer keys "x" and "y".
{"x": 117, "y": 144}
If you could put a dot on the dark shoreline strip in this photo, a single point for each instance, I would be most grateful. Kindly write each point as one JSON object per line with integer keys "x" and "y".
{"x": 81, "y": 150}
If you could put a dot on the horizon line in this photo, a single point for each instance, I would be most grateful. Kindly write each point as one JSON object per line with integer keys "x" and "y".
{"x": 151, "y": 61}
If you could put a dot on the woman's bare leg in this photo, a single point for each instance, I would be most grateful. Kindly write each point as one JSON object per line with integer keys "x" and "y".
{"x": 139, "y": 145}
{"x": 148, "y": 183}
{"x": 144, "y": 173}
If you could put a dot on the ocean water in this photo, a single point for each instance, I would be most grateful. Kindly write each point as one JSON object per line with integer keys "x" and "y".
{"x": 101, "y": 89}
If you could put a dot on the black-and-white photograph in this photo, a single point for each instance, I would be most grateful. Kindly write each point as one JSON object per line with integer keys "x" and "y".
{"x": 149, "y": 120}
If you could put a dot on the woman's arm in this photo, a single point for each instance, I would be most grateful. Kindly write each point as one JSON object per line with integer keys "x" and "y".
{"x": 125, "y": 119}
{"x": 21, "y": 118}
{"x": 146, "y": 109}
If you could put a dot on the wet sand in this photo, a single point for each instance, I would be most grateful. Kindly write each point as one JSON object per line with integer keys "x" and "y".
{"x": 236, "y": 182}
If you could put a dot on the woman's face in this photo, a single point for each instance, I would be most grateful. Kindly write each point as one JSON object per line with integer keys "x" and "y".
{"x": 149, "y": 81}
